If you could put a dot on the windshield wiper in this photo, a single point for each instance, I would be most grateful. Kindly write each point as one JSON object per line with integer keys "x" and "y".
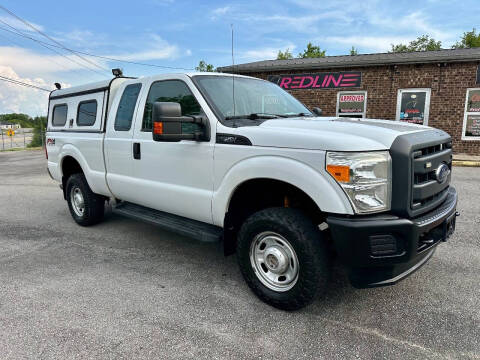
{"x": 299, "y": 115}
{"x": 254, "y": 116}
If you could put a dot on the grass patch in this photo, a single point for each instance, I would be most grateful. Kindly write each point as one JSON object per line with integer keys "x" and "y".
{"x": 22, "y": 149}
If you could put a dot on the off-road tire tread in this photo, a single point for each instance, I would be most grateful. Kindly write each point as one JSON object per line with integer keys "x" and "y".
{"x": 311, "y": 249}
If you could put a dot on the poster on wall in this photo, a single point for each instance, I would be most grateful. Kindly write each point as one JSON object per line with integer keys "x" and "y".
{"x": 351, "y": 103}
{"x": 471, "y": 118}
{"x": 473, "y": 125}
{"x": 473, "y": 101}
{"x": 412, "y": 106}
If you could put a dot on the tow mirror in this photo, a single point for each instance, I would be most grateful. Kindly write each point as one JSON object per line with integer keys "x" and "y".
{"x": 317, "y": 111}
{"x": 168, "y": 120}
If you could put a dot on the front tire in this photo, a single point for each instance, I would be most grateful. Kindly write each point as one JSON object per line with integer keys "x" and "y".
{"x": 283, "y": 257}
{"x": 86, "y": 207}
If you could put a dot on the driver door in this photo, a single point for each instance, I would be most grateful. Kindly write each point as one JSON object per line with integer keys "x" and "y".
{"x": 175, "y": 177}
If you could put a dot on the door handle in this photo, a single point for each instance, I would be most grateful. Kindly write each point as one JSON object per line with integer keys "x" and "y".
{"x": 136, "y": 151}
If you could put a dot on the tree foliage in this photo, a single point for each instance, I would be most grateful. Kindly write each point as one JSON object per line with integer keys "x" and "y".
{"x": 422, "y": 43}
{"x": 39, "y": 129}
{"x": 353, "y": 51}
{"x": 23, "y": 120}
{"x": 470, "y": 39}
{"x": 284, "y": 55}
{"x": 204, "y": 67}
{"x": 312, "y": 51}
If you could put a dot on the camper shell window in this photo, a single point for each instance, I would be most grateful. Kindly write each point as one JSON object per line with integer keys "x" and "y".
{"x": 87, "y": 113}
{"x": 59, "y": 117}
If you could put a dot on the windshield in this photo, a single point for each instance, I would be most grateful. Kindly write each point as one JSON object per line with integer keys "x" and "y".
{"x": 254, "y": 99}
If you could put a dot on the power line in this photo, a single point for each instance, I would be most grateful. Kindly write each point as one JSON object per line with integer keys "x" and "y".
{"x": 16, "y": 43}
{"x": 97, "y": 56}
{"x": 51, "y": 39}
{"x": 46, "y": 45}
{"x": 17, "y": 82}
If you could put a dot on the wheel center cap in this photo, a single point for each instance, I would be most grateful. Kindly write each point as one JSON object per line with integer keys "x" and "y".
{"x": 276, "y": 260}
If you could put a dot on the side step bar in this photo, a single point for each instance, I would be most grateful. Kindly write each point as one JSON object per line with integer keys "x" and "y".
{"x": 187, "y": 227}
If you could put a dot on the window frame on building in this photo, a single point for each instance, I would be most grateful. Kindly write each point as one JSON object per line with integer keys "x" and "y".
{"x": 426, "y": 113}
{"x": 364, "y": 113}
{"x": 465, "y": 116}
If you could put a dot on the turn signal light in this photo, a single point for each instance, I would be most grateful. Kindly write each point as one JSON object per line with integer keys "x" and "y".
{"x": 158, "y": 128}
{"x": 341, "y": 173}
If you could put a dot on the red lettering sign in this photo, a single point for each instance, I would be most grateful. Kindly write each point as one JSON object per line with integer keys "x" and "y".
{"x": 346, "y": 79}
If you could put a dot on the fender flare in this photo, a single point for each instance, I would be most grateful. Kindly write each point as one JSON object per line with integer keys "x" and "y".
{"x": 321, "y": 188}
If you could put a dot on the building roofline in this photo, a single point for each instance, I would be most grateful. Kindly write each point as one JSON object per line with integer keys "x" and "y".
{"x": 362, "y": 60}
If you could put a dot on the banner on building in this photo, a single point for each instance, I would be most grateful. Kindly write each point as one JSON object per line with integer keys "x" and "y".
{"x": 329, "y": 80}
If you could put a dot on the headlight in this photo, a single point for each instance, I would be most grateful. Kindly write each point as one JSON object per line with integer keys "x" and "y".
{"x": 366, "y": 178}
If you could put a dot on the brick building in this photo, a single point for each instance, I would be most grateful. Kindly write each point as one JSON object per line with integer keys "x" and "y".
{"x": 435, "y": 88}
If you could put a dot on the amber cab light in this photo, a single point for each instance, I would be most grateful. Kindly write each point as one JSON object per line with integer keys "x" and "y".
{"x": 158, "y": 128}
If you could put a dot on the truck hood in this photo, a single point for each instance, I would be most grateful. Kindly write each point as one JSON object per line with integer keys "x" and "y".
{"x": 327, "y": 133}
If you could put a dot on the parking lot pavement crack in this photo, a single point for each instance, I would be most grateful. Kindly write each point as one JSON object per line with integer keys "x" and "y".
{"x": 390, "y": 339}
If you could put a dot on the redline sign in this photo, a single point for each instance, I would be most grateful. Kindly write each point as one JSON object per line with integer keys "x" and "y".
{"x": 347, "y": 79}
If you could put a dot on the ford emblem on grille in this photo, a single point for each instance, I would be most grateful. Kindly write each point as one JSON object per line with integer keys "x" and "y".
{"x": 442, "y": 173}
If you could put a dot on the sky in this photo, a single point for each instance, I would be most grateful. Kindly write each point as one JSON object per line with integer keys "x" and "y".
{"x": 175, "y": 33}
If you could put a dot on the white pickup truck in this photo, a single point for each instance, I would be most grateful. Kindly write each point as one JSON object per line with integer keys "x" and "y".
{"x": 238, "y": 159}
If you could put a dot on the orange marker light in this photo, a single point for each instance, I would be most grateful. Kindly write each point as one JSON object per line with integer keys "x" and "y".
{"x": 158, "y": 128}
{"x": 340, "y": 172}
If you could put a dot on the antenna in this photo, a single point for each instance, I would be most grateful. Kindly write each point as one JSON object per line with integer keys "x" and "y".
{"x": 233, "y": 78}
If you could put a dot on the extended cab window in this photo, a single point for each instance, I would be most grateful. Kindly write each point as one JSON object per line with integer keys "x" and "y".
{"x": 87, "y": 113}
{"x": 171, "y": 91}
{"x": 59, "y": 115}
{"x": 126, "y": 107}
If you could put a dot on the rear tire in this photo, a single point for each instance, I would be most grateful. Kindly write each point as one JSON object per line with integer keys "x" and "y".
{"x": 283, "y": 257}
{"x": 86, "y": 207}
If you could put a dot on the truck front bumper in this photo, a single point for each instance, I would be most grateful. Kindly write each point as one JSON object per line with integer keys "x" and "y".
{"x": 384, "y": 249}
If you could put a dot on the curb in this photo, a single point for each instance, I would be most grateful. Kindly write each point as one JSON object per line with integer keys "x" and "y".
{"x": 466, "y": 163}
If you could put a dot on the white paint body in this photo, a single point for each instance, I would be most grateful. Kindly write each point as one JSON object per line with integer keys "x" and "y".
{"x": 197, "y": 179}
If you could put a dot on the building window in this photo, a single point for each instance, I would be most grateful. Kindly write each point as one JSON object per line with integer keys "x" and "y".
{"x": 87, "y": 113}
{"x": 471, "y": 117}
{"x": 59, "y": 117}
{"x": 126, "y": 107}
{"x": 352, "y": 104}
{"x": 413, "y": 105}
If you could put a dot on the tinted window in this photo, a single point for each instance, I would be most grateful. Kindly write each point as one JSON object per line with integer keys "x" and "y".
{"x": 170, "y": 91}
{"x": 126, "y": 107}
{"x": 59, "y": 115}
{"x": 87, "y": 113}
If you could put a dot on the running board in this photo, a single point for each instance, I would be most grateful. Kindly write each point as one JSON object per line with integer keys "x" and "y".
{"x": 194, "y": 229}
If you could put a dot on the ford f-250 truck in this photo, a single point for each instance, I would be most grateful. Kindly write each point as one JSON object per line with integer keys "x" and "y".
{"x": 238, "y": 159}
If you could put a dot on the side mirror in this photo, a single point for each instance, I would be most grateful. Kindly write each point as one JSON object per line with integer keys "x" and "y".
{"x": 317, "y": 111}
{"x": 167, "y": 123}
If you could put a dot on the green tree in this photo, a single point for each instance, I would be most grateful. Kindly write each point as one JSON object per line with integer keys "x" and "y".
{"x": 284, "y": 55}
{"x": 39, "y": 128}
{"x": 353, "y": 51}
{"x": 470, "y": 39}
{"x": 312, "y": 51}
{"x": 204, "y": 67}
{"x": 422, "y": 43}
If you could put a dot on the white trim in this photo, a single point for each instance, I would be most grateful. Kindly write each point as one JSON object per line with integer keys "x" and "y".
{"x": 465, "y": 114}
{"x": 426, "y": 112}
{"x": 364, "y": 113}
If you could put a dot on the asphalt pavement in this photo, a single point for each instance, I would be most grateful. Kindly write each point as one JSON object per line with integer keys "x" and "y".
{"x": 126, "y": 289}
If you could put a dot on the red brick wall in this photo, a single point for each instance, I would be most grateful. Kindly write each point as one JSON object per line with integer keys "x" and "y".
{"x": 448, "y": 84}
